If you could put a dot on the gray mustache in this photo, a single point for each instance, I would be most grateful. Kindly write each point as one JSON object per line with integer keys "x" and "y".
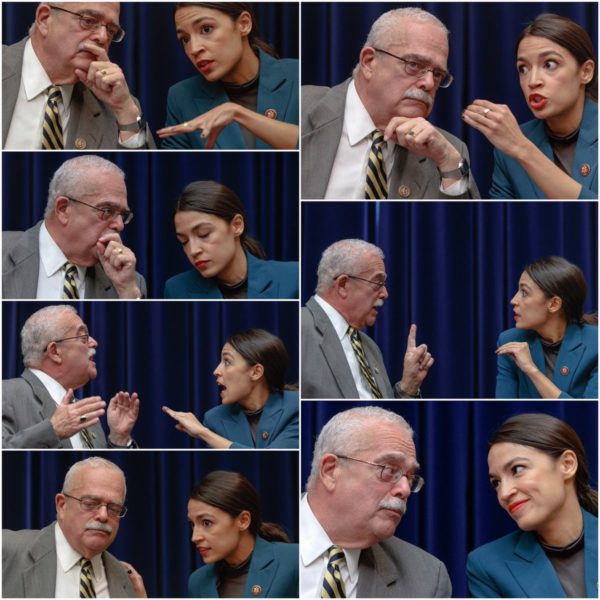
{"x": 100, "y": 526}
{"x": 415, "y": 94}
{"x": 395, "y": 504}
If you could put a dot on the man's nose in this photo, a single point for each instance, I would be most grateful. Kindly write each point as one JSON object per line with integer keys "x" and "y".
{"x": 100, "y": 35}
{"x": 92, "y": 342}
{"x": 401, "y": 489}
{"x": 117, "y": 224}
{"x": 426, "y": 81}
{"x": 383, "y": 292}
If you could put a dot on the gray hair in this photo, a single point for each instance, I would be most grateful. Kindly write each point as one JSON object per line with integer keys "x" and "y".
{"x": 342, "y": 434}
{"x": 39, "y": 330}
{"x": 93, "y": 462}
{"x": 342, "y": 257}
{"x": 384, "y": 30}
{"x": 72, "y": 178}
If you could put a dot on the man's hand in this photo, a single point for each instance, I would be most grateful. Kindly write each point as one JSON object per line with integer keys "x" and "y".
{"x": 107, "y": 81}
{"x": 420, "y": 137}
{"x": 118, "y": 263}
{"x": 122, "y": 414}
{"x": 417, "y": 362}
{"x": 71, "y": 417}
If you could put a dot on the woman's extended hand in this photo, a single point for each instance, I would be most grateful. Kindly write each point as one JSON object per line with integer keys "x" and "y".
{"x": 136, "y": 581}
{"x": 186, "y": 422}
{"x": 498, "y": 124}
{"x": 210, "y": 124}
{"x": 520, "y": 353}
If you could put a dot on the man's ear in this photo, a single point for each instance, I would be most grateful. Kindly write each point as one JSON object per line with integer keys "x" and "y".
{"x": 365, "y": 61}
{"x": 327, "y": 471}
{"x": 42, "y": 15}
{"x": 62, "y": 209}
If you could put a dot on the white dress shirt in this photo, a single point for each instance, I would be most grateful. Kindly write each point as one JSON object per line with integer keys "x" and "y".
{"x": 57, "y": 393}
{"x": 341, "y": 328}
{"x": 31, "y": 106}
{"x": 51, "y": 274}
{"x": 349, "y": 171}
{"x": 314, "y": 550}
{"x": 68, "y": 569}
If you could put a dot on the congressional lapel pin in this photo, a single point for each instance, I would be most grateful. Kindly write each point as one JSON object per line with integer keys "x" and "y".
{"x": 404, "y": 191}
{"x": 376, "y": 371}
{"x": 93, "y": 435}
{"x": 564, "y": 370}
{"x": 585, "y": 169}
{"x": 80, "y": 144}
{"x": 265, "y": 435}
{"x": 271, "y": 113}
{"x": 256, "y": 590}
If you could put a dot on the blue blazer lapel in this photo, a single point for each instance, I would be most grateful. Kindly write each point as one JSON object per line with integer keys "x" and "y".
{"x": 532, "y": 571}
{"x": 270, "y": 417}
{"x": 272, "y": 94}
{"x": 537, "y": 355}
{"x": 586, "y": 150}
{"x": 263, "y": 568}
{"x": 260, "y": 279}
{"x": 590, "y": 534}
{"x": 571, "y": 351}
{"x": 237, "y": 428}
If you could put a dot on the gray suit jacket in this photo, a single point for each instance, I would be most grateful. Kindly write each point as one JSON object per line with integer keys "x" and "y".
{"x": 325, "y": 370}
{"x": 322, "y": 120}
{"x": 91, "y": 123}
{"x": 21, "y": 265}
{"x": 396, "y": 569}
{"x": 29, "y": 566}
{"x": 27, "y": 408}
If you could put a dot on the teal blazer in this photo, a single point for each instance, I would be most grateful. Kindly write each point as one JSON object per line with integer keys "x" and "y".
{"x": 273, "y": 573}
{"x": 515, "y": 566}
{"x": 268, "y": 279}
{"x": 277, "y": 427}
{"x": 510, "y": 180}
{"x": 277, "y": 90}
{"x": 576, "y": 372}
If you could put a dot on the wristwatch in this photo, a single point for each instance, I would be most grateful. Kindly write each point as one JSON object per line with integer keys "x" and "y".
{"x": 138, "y": 125}
{"x": 462, "y": 171}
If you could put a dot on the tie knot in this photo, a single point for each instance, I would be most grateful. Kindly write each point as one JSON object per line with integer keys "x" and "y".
{"x": 70, "y": 269}
{"x": 377, "y": 137}
{"x": 53, "y": 92}
{"x": 335, "y": 555}
{"x": 352, "y": 332}
{"x": 86, "y": 564}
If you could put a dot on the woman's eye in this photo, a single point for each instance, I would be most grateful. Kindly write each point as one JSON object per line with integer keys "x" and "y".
{"x": 517, "y": 469}
{"x": 551, "y": 64}
{"x": 494, "y": 483}
{"x": 184, "y": 40}
{"x": 206, "y": 28}
{"x": 206, "y": 523}
{"x": 522, "y": 69}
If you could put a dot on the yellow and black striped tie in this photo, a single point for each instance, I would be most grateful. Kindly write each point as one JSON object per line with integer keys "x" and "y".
{"x": 86, "y": 437}
{"x": 333, "y": 584}
{"x": 376, "y": 187}
{"x": 52, "y": 133}
{"x": 362, "y": 361}
{"x": 70, "y": 291}
{"x": 86, "y": 584}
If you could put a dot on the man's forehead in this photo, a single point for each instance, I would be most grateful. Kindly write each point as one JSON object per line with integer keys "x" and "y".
{"x": 94, "y": 7}
{"x": 409, "y": 31}
{"x": 371, "y": 262}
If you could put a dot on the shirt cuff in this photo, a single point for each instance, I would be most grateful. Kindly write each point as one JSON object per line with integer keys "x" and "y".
{"x": 457, "y": 188}
{"x": 136, "y": 141}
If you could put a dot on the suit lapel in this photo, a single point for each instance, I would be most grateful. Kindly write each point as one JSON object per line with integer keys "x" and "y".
{"x": 586, "y": 152}
{"x": 406, "y": 171}
{"x": 260, "y": 280}
{"x": 272, "y": 93}
{"x": 376, "y": 572}
{"x": 590, "y": 534}
{"x": 271, "y": 415}
{"x": 12, "y": 66}
{"x": 39, "y": 580}
{"x": 21, "y": 280}
{"x": 236, "y": 426}
{"x": 97, "y": 283}
{"x": 213, "y": 96}
{"x": 85, "y": 109}
{"x": 263, "y": 568}
{"x": 569, "y": 357}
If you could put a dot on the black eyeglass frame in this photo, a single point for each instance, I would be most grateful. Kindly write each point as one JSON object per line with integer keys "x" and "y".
{"x": 114, "y": 32}
{"x": 98, "y": 505}
{"x": 108, "y": 214}
{"x": 377, "y": 284}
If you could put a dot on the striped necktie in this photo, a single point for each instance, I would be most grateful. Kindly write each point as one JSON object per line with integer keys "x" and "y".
{"x": 365, "y": 369}
{"x": 333, "y": 584}
{"x": 86, "y": 437}
{"x": 52, "y": 133}
{"x": 70, "y": 291}
{"x": 376, "y": 187}
{"x": 86, "y": 584}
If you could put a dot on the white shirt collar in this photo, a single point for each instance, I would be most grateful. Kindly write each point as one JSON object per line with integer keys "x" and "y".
{"x": 339, "y": 323}
{"x": 316, "y": 543}
{"x": 68, "y": 557}
{"x": 52, "y": 257}
{"x": 359, "y": 124}
{"x": 35, "y": 79}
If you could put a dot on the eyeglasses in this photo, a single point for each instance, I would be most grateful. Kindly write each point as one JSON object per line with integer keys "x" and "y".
{"x": 84, "y": 337}
{"x": 390, "y": 474}
{"x": 377, "y": 284}
{"x": 91, "y": 504}
{"x": 413, "y": 68}
{"x": 107, "y": 213}
{"x": 90, "y": 23}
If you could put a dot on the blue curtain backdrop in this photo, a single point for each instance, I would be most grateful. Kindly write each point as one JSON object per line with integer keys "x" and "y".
{"x": 266, "y": 182}
{"x": 150, "y": 55}
{"x": 482, "y": 39}
{"x": 457, "y": 510}
{"x": 155, "y": 534}
{"x": 165, "y": 351}
{"x": 452, "y": 269}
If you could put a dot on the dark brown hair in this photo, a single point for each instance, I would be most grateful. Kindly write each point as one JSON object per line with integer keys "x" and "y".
{"x": 556, "y": 276}
{"x": 217, "y": 199}
{"x": 233, "y": 10}
{"x": 258, "y": 346}
{"x": 569, "y": 35}
{"x": 233, "y": 493}
{"x": 552, "y": 437}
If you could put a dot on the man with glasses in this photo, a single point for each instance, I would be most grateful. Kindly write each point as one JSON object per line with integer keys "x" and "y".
{"x": 364, "y": 469}
{"x": 69, "y": 558}
{"x": 369, "y": 137}
{"x": 338, "y": 359}
{"x": 39, "y": 409}
{"x": 60, "y": 88}
{"x": 76, "y": 251}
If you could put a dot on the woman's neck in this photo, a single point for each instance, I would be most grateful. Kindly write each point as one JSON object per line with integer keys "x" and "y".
{"x": 553, "y": 331}
{"x": 246, "y": 69}
{"x": 256, "y": 399}
{"x": 237, "y": 268}
{"x": 568, "y": 121}
{"x": 243, "y": 550}
{"x": 564, "y": 526}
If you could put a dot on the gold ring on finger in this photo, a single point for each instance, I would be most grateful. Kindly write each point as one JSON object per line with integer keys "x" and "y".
{"x": 82, "y": 419}
{"x": 486, "y": 111}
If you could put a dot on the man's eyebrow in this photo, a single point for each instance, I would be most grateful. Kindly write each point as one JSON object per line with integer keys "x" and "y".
{"x": 426, "y": 60}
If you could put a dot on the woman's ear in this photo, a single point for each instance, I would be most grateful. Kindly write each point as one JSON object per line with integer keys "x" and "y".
{"x": 256, "y": 372}
{"x": 237, "y": 225}
{"x": 568, "y": 464}
{"x": 587, "y": 71}
{"x": 244, "y": 22}
{"x": 554, "y": 304}
{"x": 244, "y": 520}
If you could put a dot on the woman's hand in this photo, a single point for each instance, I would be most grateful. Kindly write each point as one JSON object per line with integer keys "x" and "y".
{"x": 520, "y": 353}
{"x": 136, "y": 581}
{"x": 187, "y": 422}
{"x": 210, "y": 123}
{"x": 498, "y": 124}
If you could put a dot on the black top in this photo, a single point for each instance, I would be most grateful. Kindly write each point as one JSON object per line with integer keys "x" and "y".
{"x": 231, "y": 579}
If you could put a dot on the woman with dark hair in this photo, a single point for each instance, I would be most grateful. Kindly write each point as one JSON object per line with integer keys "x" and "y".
{"x": 211, "y": 224}
{"x": 244, "y": 97}
{"x": 539, "y": 468}
{"x": 258, "y": 410}
{"x": 553, "y": 350}
{"x": 244, "y": 557}
{"x": 556, "y": 154}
